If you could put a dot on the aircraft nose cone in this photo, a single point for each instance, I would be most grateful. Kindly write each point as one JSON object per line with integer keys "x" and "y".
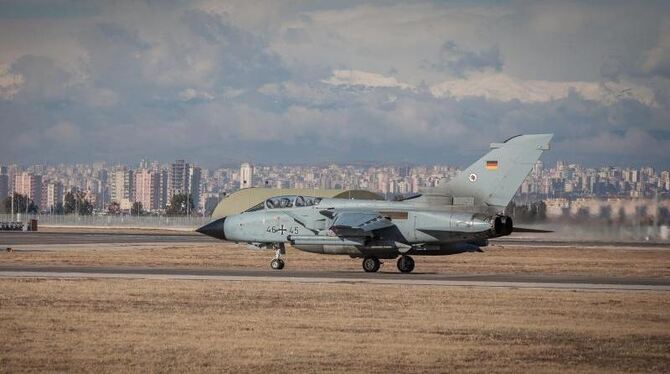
{"x": 214, "y": 229}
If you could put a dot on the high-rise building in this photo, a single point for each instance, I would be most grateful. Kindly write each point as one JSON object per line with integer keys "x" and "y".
{"x": 30, "y": 185}
{"x": 194, "y": 177}
{"x": 121, "y": 186}
{"x": 163, "y": 173}
{"x": 246, "y": 175}
{"x": 177, "y": 178}
{"x": 12, "y": 172}
{"x": 4, "y": 186}
{"x": 147, "y": 189}
{"x": 54, "y": 195}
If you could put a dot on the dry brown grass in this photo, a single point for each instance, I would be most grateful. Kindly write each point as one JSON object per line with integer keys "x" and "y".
{"x": 509, "y": 259}
{"x": 177, "y": 326}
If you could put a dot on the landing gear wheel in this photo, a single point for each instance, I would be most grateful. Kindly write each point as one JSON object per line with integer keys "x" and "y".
{"x": 405, "y": 264}
{"x": 371, "y": 264}
{"x": 277, "y": 264}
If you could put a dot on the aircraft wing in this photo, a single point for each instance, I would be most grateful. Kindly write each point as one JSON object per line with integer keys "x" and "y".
{"x": 356, "y": 223}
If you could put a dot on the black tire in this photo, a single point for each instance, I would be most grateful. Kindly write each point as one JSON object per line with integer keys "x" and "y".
{"x": 371, "y": 264}
{"x": 405, "y": 264}
{"x": 277, "y": 264}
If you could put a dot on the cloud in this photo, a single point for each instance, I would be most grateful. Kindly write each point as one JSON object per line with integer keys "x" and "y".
{"x": 459, "y": 61}
{"x": 191, "y": 94}
{"x": 296, "y": 35}
{"x": 330, "y": 81}
{"x": 363, "y": 79}
{"x": 9, "y": 83}
{"x": 41, "y": 79}
{"x": 243, "y": 59}
{"x": 657, "y": 60}
{"x": 63, "y": 133}
{"x": 506, "y": 88}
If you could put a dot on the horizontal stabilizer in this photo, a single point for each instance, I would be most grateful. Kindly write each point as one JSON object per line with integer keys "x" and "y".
{"x": 523, "y": 229}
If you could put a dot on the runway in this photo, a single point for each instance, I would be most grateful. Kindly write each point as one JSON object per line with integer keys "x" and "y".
{"x": 540, "y": 281}
{"x": 10, "y": 238}
{"x": 47, "y": 238}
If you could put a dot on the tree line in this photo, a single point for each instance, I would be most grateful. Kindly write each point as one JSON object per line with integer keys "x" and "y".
{"x": 77, "y": 203}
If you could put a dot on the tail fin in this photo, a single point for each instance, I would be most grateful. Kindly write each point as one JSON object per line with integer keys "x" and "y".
{"x": 493, "y": 180}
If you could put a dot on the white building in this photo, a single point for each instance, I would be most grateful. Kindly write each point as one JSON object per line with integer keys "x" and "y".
{"x": 147, "y": 189}
{"x": 121, "y": 187}
{"x": 246, "y": 175}
{"x": 30, "y": 185}
{"x": 54, "y": 195}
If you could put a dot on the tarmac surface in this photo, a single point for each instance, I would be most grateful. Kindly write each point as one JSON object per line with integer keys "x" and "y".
{"x": 11, "y": 238}
{"x": 541, "y": 281}
{"x": 45, "y": 238}
{"x": 545, "y": 281}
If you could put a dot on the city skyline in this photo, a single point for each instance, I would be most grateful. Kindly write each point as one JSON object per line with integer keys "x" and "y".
{"x": 425, "y": 82}
{"x": 154, "y": 184}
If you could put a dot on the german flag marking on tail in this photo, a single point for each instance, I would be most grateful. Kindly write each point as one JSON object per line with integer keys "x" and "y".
{"x": 491, "y": 165}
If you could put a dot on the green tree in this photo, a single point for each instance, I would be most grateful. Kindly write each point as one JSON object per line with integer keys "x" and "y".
{"x": 20, "y": 202}
{"x": 114, "y": 208}
{"x": 59, "y": 209}
{"x": 70, "y": 203}
{"x": 76, "y": 202}
{"x": 136, "y": 209}
{"x": 178, "y": 205}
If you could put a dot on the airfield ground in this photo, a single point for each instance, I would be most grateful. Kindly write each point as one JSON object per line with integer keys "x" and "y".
{"x": 511, "y": 259}
{"x": 63, "y": 324}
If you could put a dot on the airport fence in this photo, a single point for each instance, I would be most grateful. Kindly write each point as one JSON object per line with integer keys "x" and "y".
{"x": 123, "y": 221}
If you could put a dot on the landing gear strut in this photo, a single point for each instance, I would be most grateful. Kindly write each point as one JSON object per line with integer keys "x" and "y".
{"x": 277, "y": 263}
{"x": 405, "y": 264}
{"x": 371, "y": 264}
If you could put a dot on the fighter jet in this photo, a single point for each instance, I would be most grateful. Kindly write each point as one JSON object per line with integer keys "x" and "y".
{"x": 457, "y": 216}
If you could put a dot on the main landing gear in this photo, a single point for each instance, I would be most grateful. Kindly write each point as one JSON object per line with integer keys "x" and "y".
{"x": 278, "y": 263}
{"x": 371, "y": 264}
{"x": 405, "y": 264}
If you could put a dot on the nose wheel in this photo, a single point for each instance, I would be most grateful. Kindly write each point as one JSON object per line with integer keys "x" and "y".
{"x": 371, "y": 264}
{"x": 277, "y": 263}
{"x": 405, "y": 264}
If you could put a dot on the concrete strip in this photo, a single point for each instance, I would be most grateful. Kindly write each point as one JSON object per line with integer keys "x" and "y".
{"x": 414, "y": 282}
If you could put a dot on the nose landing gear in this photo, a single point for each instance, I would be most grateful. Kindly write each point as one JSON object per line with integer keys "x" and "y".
{"x": 278, "y": 263}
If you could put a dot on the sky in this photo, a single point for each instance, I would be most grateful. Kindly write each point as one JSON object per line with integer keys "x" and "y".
{"x": 285, "y": 81}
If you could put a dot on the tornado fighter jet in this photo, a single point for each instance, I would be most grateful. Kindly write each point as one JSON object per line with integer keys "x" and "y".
{"x": 457, "y": 216}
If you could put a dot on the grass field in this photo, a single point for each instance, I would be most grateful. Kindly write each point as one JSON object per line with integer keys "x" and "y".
{"x": 151, "y": 325}
{"x": 647, "y": 262}
{"x": 116, "y": 325}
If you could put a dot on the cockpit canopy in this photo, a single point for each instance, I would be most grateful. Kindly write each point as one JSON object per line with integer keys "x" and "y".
{"x": 288, "y": 201}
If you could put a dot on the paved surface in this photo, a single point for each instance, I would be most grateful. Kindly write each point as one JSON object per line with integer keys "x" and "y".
{"x": 8, "y": 238}
{"x": 29, "y": 238}
{"x": 473, "y": 280}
